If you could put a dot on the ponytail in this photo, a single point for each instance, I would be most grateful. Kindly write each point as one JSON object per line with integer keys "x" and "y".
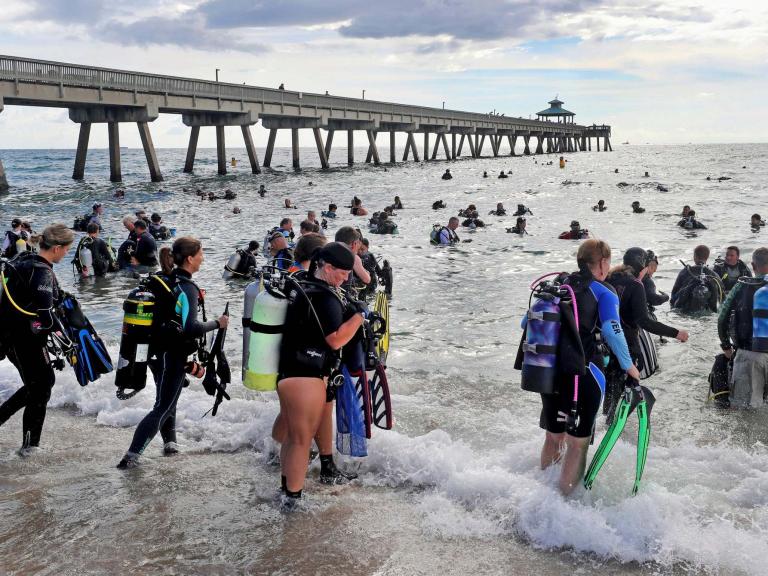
{"x": 183, "y": 248}
{"x": 166, "y": 260}
{"x": 53, "y": 235}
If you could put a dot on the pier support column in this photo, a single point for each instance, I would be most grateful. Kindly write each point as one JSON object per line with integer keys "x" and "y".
{"x": 411, "y": 145}
{"x": 608, "y": 147}
{"x": 446, "y": 149}
{"x": 221, "y": 151}
{"x": 149, "y": 152}
{"x": 527, "y": 149}
{"x": 453, "y": 146}
{"x": 426, "y": 146}
{"x": 436, "y": 147}
{"x": 350, "y": 147}
{"x": 494, "y": 145}
{"x": 461, "y": 146}
{"x": 589, "y": 144}
{"x": 539, "y": 145}
{"x": 113, "y": 131}
{"x": 320, "y": 148}
{"x": 189, "y": 164}
{"x": 392, "y": 159}
{"x": 369, "y": 155}
{"x": 270, "y": 148}
{"x": 472, "y": 145}
{"x": 512, "y": 144}
{"x": 479, "y": 146}
{"x": 251, "y": 149}
{"x": 374, "y": 151}
{"x": 597, "y": 140}
{"x": 3, "y": 180}
{"x": 295, "y": 148}
{"x": 82, "y": 151}
{"x": 329, "y": 143}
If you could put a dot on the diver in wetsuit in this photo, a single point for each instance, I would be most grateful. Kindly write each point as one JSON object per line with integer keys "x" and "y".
{"x": 697, "y": 288}
{"x": 181, "y": 336}
{"x": 27, "y": 307}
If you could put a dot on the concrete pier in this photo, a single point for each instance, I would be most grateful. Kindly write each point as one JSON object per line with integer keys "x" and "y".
{"x": 3, "y": 180}
{"x": 107, "y": 96}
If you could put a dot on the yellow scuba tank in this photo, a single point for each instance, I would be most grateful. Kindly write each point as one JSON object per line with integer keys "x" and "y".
{"x": 264, "y": 325}
{"x": 138, "y": 310}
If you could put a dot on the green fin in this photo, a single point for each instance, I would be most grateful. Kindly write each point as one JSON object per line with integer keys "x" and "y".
{"x": 609, "y": 440}
{"x": 643, "y": 437}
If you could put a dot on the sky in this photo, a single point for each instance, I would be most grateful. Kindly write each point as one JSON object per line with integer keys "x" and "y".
{"x": 658, "y": 72}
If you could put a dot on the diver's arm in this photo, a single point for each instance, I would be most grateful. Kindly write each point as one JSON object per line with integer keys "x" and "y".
{"x": 360, "y": 270}
{"x": 43, "y": 283}
{"x": 191, "y": 326}
{"x": 724, "y": 318}
{"x": 610, "y": 327}
{"x": 345, "y": 332}
{"x": 639, "y": 307}
{"x": 679, "y": 283}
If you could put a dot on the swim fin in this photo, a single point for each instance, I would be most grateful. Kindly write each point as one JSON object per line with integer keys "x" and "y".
{"x": 643, "y": 434}
{"x": 611, "y": 436}
{"x": 91, "y": 358}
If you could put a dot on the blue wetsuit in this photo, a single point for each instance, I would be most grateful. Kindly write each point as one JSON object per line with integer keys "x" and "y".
{"x": 598, "y": 308}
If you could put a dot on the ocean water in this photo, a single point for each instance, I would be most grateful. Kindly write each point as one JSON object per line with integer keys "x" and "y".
{"x": 455, "y": 487}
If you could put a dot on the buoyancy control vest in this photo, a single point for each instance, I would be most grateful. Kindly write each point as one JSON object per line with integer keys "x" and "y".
{"x": 751, "y": 315}
{"x": 17, "y": 243}
{"x": 437, "y": 230}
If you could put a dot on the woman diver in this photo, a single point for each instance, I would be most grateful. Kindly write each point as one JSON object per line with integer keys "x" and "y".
{"x": 28, "y": 303}
{"x": 170, "y": 353}
{"x": 315, "y": 331}
{"x": 598, "y": 313}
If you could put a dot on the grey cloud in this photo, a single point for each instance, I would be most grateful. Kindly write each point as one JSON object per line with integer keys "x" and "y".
{"x": 238, "y": 13}
{"x": 188, "y": 31}
{"x": 71, "y": 11}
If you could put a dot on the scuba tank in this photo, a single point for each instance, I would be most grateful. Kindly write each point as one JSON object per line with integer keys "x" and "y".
{"x": 138, "y": 308}
{"x": 230, "y": 268}
{"x": 542, "y": 333}
{"x": 760, "y": 320}
{"x": 251, "y": 291}
{"x": 86, "y": 261}
{"x": 434, "y": 235}
{"x": 265, "y": 325}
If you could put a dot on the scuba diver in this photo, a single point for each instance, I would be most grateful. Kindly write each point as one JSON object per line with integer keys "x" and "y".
{"x": 686, "y": 211}
{"x": 242, "y": 264}
{"x": 81, "y": 222}
{"x": 157, "y": 229}
{"x": 562, "y": 162}
{"x": 519, "y": 227}
{"x": 357, "y": 208}
{"x": 146, "y": 247}
{"x": 15, "y": 240}
{"x": 697, "y": 288}
{"x": 29, "y": 298}
{"x": 485, "y": 174}
{"x": 600, "y": 207}
{"x": 179, "y": 335}
{"x": 731, "y": 268}
{"x": 473, "y": 223}
{"x": 568, "y": 418}
{"x": 636, "y": 208}
{"x": 575, "y": 233}
{"x": 352, "y": 239}
{"x": 438, "y": 204}
{"x": 281, "y": 255}
{"x": 653, "y": 297}
{"x": 382, "y": 224}
{"x": 307, "y": 245}
{"x": 502, "y": 174}
{"x": 398, "y": 205}
{"x": 626, "y": 281}
{"x": 330, "y": 213}
{"x": 262, "y": 190}
{"x": 469, "y": 212}
{"x": 100, "y": 256}
{"x": 689, "y": 222}
{"x": 445, "y": 235}
{"x": 308, "y": 227}
{"x": 522, "y": 210}
{"x": 500, "y": 211}
{"x": 319, "y": 322}
{"x": 447, "y": 174}
{"x": 755, "y": 222}
{"x": 742, "y": 326}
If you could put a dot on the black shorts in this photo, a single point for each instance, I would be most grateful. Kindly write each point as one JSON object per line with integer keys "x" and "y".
{"x": 555, "y": 406}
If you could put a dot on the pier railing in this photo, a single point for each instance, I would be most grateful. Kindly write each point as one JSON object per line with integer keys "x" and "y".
{"x": 40, "y": 71}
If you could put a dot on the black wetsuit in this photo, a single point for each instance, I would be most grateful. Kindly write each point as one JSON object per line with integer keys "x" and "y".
{"x": 729, "y": 275}
{"x": 146, "y": 250}
{"x": 169, "y": 359}
{"x": 653, "y": 297}
{"x": 696, "y": 288}
{"x": 34, "y": 288}
{"x": 304, "y": 351}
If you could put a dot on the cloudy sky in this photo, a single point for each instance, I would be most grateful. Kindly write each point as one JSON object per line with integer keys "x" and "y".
{"x": 659, "y": 72}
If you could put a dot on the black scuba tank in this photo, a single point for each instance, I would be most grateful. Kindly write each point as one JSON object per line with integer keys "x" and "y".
{"x": 139, "y": 311}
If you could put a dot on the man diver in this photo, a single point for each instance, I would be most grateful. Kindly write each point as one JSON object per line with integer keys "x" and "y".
{"x": 575, "y": 233}
{"x": 697, "y": 288}
{"x": 745, "y": 310}
{"x": 519, "y": 227}
{"x": 447, "y": 234}
{"x": 731, "y": 268}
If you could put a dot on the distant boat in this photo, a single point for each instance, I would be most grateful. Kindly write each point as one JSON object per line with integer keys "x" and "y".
{"x": 625, "y": 142}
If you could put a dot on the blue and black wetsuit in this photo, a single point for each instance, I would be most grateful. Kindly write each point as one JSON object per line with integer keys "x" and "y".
{"x": 598, "y": 308}
{"x": 169, "y": 361}
{"x": 33, "y": 286}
